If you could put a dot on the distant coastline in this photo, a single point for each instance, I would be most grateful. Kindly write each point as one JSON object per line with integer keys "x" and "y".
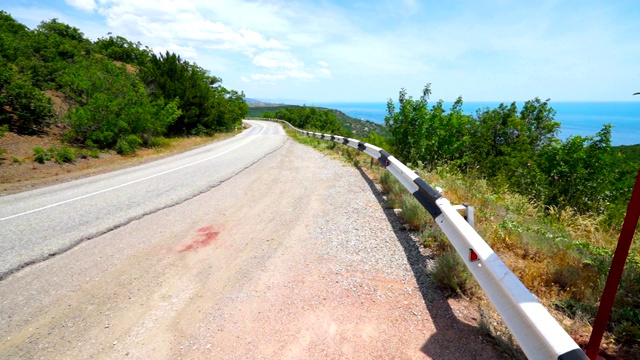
{"x": 577, "y": 118}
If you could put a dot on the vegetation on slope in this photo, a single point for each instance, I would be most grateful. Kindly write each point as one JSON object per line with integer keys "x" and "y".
{"x": 531, "y": 192}
{"x": 121, "y": 96}
{"x": 517, "y": 149}
{"x": 630, "y": 152}
{"x": 550, "y": 208}
{"x": 351, "y": 126}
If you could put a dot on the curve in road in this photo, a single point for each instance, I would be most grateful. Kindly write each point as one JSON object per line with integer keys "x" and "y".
{"x": 38, "y": 224}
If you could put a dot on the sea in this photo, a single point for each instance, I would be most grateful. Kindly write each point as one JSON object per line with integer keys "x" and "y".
{"x": 576, "y": 118}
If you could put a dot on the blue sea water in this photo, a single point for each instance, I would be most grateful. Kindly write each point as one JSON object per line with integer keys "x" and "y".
{"x": 576, "y": 118}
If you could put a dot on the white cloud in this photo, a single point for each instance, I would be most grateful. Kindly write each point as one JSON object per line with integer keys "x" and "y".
{"x": 277, "y": 59}
{"x": 182, "y": 21}
{"x": 498, "y": 50}
{"x": 184, "y": 51}
{"x": 86, "y": 5}
{"x": 284, "y": 74}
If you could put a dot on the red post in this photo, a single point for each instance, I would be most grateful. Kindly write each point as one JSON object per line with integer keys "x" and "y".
{"x": 615, "y": 273}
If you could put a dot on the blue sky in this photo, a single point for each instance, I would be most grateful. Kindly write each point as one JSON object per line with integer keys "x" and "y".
{"x": 320, "y": 51}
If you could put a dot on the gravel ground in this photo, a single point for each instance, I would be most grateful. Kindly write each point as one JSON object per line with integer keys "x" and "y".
{"x": 295, "y": 258}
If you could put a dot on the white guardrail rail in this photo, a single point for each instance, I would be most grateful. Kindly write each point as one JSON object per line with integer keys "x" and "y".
{"x": 538, "y": 333}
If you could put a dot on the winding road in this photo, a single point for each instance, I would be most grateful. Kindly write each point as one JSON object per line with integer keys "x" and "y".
{"x": 38, "y": 224}
{"x": 252, "y": 247}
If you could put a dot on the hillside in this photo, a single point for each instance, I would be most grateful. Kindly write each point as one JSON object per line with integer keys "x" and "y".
{"x": 108, "y": 94}
{"x": 359, "y": 128}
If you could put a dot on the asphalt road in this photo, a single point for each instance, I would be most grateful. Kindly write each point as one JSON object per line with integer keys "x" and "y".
{"x": 38, "y": 224}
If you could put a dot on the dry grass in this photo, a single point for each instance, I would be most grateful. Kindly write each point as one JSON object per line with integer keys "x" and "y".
{"x": 19, "y": 172}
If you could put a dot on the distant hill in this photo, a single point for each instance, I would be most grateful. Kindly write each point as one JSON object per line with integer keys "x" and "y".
{"x": 360, "y": 128}
{"x": 259, "y": 103}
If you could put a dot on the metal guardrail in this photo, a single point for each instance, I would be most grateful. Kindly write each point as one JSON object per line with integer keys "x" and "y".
{"x": 538, "y": 333}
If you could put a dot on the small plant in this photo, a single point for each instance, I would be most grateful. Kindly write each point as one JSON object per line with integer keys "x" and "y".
{"x": 63, "y": 154}
{"x": 158, "y": 142}
{"x": 90, "y": 153}
{"x": 40, "y": 155}
{"x": 3, "y": 130}
{"x": 128, "y": 145}
{"x": 434, "y": 239}
{"x": 393, "y": 188}
{"x": 450, "y": 273}
{"x": 413, "y": 213}
{"x": 60, "y": 155}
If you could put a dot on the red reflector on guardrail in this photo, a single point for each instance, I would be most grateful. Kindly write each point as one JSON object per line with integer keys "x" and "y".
{"x": 472, "y": 255}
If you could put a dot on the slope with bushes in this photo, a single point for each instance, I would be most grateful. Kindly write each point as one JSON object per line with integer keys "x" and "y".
{"x": 121, "y": 96}
{"x": 355, "y": 127}
{"x": 532, "y": 203}
{"x": 550, "y": 208}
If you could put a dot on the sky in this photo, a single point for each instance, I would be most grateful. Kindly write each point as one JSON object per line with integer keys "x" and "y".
{"x": 366, "y": 51}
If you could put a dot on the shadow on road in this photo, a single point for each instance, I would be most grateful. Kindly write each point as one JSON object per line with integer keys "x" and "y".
{"x": 453, "y": 338}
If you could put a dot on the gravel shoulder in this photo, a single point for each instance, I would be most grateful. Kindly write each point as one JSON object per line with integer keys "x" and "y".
{"x": 295, "y": 258}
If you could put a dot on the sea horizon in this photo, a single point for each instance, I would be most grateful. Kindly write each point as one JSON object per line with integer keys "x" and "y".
{"x": 577, "y": 118}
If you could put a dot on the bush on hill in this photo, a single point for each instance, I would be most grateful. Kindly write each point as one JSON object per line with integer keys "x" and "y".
{"x": 113, "y": 107}
{"x": 516, "y": 148}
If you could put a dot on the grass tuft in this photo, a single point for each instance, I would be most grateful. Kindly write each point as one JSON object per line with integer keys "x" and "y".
{"x": 413, "y": 213}
{"x": 451, "y": 274}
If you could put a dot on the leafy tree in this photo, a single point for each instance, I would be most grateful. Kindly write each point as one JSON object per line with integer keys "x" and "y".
{"x": 25, "y": 109}
{"x": 406, "y": 124}
{"x": 268, "y": 115}
{"x": 113, "y": 107}
{"x": 578, "y": 171}
{"x": 56, "y": 47}
{"x": 312, "y": 119}
{"x": 497, "y": 141}
{"x": 14, "y": 38}
{"x": 120, "y": 49}
{"x": 206, "y": 106}
{"x": 427, "y": 136}
{"x": 378, "y": 140}
{"x": 541, "y": 128}
{"x": 62, "y": 30}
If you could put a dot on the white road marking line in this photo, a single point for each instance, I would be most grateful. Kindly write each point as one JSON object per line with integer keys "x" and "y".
{"x": 132, "y": 182}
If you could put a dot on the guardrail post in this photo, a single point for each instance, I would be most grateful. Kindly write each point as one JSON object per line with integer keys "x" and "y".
{"x": 469, "y": 215}
{"x": 466, "y": 211}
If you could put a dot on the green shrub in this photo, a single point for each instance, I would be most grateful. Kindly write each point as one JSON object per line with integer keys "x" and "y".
{"x": 40, "y": 155}
{"x": 450, "y": 273}
{"x": 433, "y": 238}
{"x": 113, "y": 105}
{"x": 393, "y": 188}
{"x": 26, "y": 110}
{"x": 158, "y": 142}
{"x": 128, "y": 145}
{"x": 413, "y": 213}
{"x": 63, "y": 154}
{"x": 88, "y": 153}
{"x": 123, "y": 148}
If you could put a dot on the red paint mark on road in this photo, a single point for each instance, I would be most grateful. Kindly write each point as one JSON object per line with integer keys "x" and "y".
{"x": 205, "y": 237}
